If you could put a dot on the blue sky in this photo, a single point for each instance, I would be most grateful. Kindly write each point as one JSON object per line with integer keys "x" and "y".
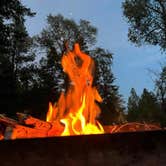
{"x": 131, "y": 64}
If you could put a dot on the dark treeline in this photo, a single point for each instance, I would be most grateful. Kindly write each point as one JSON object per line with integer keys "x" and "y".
{"x": 30, "y": 67}
{"x": 147, "y": 26}
{"x": 149, "y": 106}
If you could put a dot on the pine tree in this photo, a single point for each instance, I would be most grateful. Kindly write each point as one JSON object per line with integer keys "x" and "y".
{"x": 14, "y": 38}
{"x": 133, "y": 106}
{"x": 160, "y": 84}
{"x": 148, "y": 107}
{"x": 14, "y": 44}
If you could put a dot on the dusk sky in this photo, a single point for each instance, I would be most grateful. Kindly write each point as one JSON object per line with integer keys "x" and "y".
{"x": 130, "y": 64}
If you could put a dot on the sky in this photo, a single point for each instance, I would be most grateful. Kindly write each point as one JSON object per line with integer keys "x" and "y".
{"x": 131, "y": 64}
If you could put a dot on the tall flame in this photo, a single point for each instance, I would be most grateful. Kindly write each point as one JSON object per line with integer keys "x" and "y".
{"x": 76, "y": 109}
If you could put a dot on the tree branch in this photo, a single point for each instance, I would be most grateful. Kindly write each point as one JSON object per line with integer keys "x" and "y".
{"x": 162, "y": 6}
{"x": 155, "y": 10}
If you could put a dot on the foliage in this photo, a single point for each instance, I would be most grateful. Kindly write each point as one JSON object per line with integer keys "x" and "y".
{"x": 148, "y": 107}
{"x": 147, "y": 21}
{"x": 144, "y": 108}
{"x": 160, "y": 84}
{"x": 132, "y": 106}
{"x": 14, "y": 38}
{"x": 14, "y": 46}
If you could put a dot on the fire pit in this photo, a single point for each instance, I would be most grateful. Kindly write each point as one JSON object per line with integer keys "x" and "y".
{"x": 134, "y": 148}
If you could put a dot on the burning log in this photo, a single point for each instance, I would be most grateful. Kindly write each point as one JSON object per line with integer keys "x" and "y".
{"x": 19, "y": 131}
{"x": 7, "y": 121}
{"x": 52, "y": 129}
{"x": 2, "y": 131}
{"x": 34, "y": 122}
{"x": 1, "y": 137}
{"x": 28, "y": 127}
{"x": 15, "y": 130}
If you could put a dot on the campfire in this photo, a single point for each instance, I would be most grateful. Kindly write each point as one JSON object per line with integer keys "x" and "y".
{"x": 76, "y": 111}
{"x": 76, "y": 108}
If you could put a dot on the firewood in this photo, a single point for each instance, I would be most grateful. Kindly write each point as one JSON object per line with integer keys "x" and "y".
{"x": 7, "y": 121}
{"x": 34, "y": 122}
{"x": 28, "y": 127}
{"x": 20, "y": 131}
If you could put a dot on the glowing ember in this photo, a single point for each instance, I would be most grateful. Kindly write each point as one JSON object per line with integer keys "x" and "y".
{"x": 76, "y": 108}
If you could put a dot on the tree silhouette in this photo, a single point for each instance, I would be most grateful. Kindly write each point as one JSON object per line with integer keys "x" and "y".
{"x": 14, "y": 45}
{"x": 133, "y": 106}
{"x": 160, "y": 84}
{"x": 147, "y": 21}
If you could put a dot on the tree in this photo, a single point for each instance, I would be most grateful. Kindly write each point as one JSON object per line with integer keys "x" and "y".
{"x": 147, "y": 21}
{"x": 59, "y": 35}
{"x": 133, "y": 106}
{"x": 14, "y": 37}
{"x": 160, "y": 84}
{"x": 144, "y": 108}
{"x": 52, "y": 40}
{"x": 14, "y": 46}
{"x": 148, "y": 107}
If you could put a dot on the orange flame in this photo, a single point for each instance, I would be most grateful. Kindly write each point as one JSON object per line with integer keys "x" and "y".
{"x": 76, "y": 108}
